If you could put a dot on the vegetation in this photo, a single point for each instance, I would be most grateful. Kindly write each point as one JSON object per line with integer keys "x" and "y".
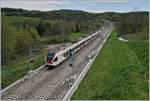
{"x": 74, "y": 36}
{"x": 133, "y": 23}
{"x": 140, "y": 36}
{"x": 127, "y": 23}
{"x": 22, "y": 29}
{"x": 121, "y": 73}
{"x": 14, "y": 71}
{"x": 68, "y": 15}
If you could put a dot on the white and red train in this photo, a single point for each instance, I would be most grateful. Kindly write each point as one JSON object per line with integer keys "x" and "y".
{"x": 54, "y": 59}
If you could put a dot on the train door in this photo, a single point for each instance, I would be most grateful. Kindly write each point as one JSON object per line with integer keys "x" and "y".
{"x": 55, "y": 61}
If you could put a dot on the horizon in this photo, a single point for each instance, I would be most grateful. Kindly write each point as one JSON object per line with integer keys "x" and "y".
{"x": 75, "y": 10}
{"x": 92, "y": 6}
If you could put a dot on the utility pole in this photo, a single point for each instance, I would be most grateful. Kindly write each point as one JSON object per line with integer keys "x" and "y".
{"x": 93, "y": 28}
{"x": 73, "y": 58}
{"x": 71, "y": 64}
{"x": 31, "y": 73}
{"x": 62, "y": 27}
{"x": 31, "y": 55}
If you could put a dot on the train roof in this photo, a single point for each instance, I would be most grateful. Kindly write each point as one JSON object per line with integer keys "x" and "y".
{"x": 77, "y": 43}
{"x": 60, "y": 48}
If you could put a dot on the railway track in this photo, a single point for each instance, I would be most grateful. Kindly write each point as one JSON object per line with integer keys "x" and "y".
{"x": 49, "y": 84}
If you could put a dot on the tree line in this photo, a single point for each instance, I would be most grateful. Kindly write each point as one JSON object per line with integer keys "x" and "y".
{"x": 128, "y": 23}
{"x": 133, "y": 23}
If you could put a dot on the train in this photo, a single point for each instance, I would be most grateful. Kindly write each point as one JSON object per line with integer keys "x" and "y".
{"x": 55, "y": 58}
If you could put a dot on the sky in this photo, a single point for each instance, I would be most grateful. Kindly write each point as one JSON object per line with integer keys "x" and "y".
{"x": 96, "y": 6}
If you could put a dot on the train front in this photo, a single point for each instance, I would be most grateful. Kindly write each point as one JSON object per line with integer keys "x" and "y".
{"x": 49, "y": 59}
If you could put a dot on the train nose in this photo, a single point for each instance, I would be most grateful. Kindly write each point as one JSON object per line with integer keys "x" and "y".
{"x": 49, "y": 62}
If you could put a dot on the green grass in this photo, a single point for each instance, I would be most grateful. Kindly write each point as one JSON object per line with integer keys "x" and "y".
{"x": 140, "y": 36}
{"x": 59, "y": 39}
{"x": 74, "y": 36}
{"x": 14, "y": 71}
{"x": 119, "y": 72}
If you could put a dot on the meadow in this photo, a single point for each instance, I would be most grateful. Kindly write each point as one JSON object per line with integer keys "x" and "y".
{"x": 120, "y": 72}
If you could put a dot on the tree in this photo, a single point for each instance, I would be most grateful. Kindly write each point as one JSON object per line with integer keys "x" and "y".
{"x": 8, "y": 41}
{"x": 34, "y": 34}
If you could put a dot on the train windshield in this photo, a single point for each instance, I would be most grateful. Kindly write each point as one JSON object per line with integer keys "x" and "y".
{"x": 50, "y": 56}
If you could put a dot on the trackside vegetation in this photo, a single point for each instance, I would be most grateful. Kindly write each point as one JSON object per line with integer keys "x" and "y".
{"x": 14, "y": 71}
{"x": 120, "y": 71}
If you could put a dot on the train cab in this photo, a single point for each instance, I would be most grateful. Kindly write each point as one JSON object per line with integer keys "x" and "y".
{"x": 49, "y": 58}
{"x": 53, "y": 59}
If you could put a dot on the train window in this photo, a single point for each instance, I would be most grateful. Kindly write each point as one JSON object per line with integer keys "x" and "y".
{"x": 55, "y": 59}
{"x": 50, "y": 56}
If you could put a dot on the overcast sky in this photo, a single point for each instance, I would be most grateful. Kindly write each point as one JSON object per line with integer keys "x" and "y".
{"x": 86, "y": 5}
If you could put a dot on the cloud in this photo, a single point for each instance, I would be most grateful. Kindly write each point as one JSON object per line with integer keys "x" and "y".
{"x": 87, "y": 3}
{"x": 52, "y": 2}
{"x": 109, "y": 1}
{"x": 55, "y": 2}
{"x": 34, "y": 4}
{"x": 100, "y": 11}
{"x": 95, "y": 2}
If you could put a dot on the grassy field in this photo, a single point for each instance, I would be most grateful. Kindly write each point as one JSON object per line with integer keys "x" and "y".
{"x": 120, "y": 71}
{"x": 59, "y": 39}
{"x": 137, "y": 36}
{"x": 74, "y": 36}
{"x": 14, "y": 71}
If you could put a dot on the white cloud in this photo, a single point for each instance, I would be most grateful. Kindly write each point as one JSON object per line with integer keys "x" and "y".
{"x": 47, "y": 5}
{"x": 95, "y": 2}
{"x": 54, "y": 2}
{"x": 88, "y": 3}
{"x": 99, "y": 11}
{"x": 34, "y": 4}
{"x": 109, "y": 1}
